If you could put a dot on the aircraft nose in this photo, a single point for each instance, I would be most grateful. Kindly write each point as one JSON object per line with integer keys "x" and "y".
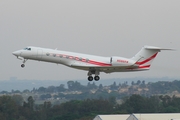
{"x": 16, "y": 53}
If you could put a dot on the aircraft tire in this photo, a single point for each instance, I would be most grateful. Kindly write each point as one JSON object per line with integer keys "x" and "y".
{"x": 96, "y": 78}
{"x": 22, "y": 65}
{"x": 90, "y": 78}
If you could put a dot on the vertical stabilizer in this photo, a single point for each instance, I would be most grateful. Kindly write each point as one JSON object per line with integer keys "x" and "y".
{"x": 146, "y": 55}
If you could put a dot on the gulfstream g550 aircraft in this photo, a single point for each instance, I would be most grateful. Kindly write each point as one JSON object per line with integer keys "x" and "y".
{"x": 91, "y": 63}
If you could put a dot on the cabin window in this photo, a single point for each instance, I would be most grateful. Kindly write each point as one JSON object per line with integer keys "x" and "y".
{"x": 87, "y": 60}
{"x": 54, "y": 55}
{"x": 29, "y": 48}
{"x": 60, "y": 56}
{"x": 47, "y": 54}
{"x": 80, "y": 59}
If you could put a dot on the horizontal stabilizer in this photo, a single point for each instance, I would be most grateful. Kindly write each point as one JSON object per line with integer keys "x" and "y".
{"x": 156, "y": 48}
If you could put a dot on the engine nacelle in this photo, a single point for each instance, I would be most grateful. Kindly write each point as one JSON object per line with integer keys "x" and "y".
{"x": 120, "y": 61}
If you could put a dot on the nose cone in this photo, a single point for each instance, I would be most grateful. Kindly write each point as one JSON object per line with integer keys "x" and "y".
{"x": 16, "y": 53}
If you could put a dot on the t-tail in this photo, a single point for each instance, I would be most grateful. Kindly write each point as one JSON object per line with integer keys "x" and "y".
{"x": 145, "y": 56}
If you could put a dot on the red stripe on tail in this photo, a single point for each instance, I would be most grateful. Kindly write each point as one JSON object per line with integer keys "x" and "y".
{"x": 147, "y": 66}
{"x": 147, "y": 60}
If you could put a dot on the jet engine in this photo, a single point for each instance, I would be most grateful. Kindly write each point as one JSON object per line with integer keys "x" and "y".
{"x": 120, "y": 61}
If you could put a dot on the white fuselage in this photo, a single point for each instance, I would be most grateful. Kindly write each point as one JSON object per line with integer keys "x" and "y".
{"x": 91, "y": 63}
{"x": 76, "y": 60}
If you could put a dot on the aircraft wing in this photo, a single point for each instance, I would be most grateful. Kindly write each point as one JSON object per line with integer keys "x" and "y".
{"x": 106, "y": 69}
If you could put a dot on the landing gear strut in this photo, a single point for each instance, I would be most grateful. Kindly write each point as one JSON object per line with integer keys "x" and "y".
{"x": 24, "y": 61}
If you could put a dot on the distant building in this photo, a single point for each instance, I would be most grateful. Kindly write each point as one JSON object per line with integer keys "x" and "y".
{"x": 162, "y": 116}
{"x": 111, "y": 117}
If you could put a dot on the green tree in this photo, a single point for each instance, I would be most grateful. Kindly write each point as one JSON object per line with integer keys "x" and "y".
{"x": 18, "y": 99}
{"x": 42, "y": 89}
{"x": 61, "y": 88}
{"x": 30, "y": 103}
{"x": 171, "y": 109}
{"x": 8, "y": 108}
{"x": 134, "y": 104}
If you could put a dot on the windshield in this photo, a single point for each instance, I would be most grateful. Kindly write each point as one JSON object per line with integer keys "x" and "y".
{"x": 27, "y": 49}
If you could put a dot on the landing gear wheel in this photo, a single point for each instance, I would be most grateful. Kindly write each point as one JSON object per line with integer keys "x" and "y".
{"x": 23, "y": 65}
{"x": 96, "y": 78}
{"x": 90, "y": 78}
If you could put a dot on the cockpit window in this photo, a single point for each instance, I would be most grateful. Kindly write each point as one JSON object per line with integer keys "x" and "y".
{"x": 27, "y": 48}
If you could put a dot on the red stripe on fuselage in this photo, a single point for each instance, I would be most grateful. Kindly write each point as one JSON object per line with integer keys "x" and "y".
{"x": 83, "y": 60}
{"x": 98, "y": 63}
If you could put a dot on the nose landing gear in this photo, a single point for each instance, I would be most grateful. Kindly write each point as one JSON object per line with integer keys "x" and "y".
{"x": 24, "y": 61}
{"x": 22, "y": 65}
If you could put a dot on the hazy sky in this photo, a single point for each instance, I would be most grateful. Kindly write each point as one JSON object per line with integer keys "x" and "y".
{"x": 99, "y": 27}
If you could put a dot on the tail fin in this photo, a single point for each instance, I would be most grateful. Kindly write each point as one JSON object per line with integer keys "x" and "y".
{"x": 146, "y": 55}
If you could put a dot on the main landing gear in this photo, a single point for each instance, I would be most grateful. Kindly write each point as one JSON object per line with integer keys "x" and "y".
{"x": 24, "y": 61}
{"x": 96, "y": 77}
